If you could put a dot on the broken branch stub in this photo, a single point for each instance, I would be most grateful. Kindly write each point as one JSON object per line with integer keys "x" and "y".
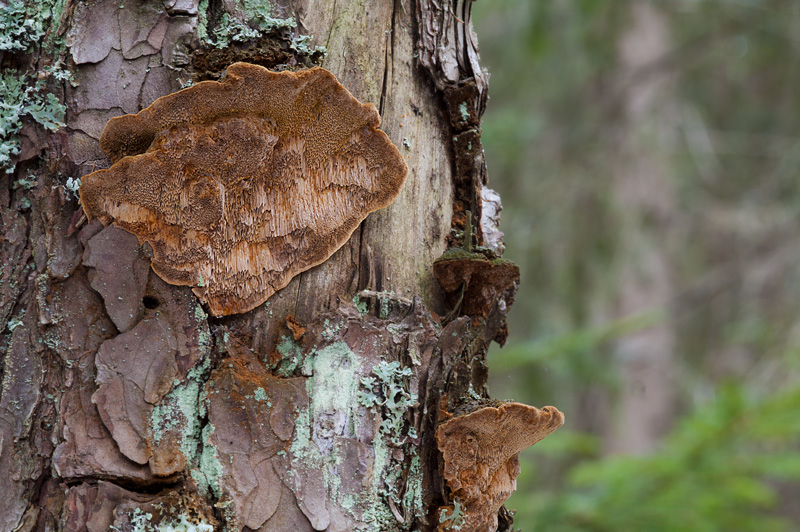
{"x": 240, "y": 185}
{"x": 480, "y": 454}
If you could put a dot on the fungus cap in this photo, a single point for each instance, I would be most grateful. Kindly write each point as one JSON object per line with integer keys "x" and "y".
{"x": 240, "y": 185}
{"x": 480, "y": 456}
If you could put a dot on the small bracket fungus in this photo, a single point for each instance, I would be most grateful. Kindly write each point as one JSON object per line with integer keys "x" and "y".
{"x": 240, "y": 185}
{"x": 475, "y": 281}
{"x": 480, "y": 453}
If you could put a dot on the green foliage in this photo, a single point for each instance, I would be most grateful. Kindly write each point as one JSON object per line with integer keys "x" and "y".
{"x": 716, "y": 471}
{"x": 18, "y": 99}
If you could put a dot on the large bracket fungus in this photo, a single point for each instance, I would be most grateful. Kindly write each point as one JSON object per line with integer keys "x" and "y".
{"x": 240, "y": 185}
{"x": 480, "y": 460}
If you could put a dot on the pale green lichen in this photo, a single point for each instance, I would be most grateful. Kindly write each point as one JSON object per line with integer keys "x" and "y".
{"x": 261, "y": 395}
{"x": 335, "y": 391}
{"x": 291, "y": 357}
{"x": 182, "y": 410}
{"x": 231, "y": 30}
{"x": 202, "y": 21}
{"x": 141, "y": 521}
{"x": 260, "y": 12}
{"x": 330, "y": 330}
{"x": 390, "y": 392}
{"x": 18, "y": 30}
{"x": 385, "y": 301}
{"x": 413, "y": 497}
{"x": 378, "y": 515}
{"x": 335, "y": 382}
{"x": 184, "y": 525}
{"x": 456, "y": 517}
{"x": 26, "y": 182}
{"x": 259, "y": 23}
{"x": 72, "y": 186}
{"x": 361, "y": 306}
{"x": 463, "y": 110}
{"x": 32, "y": 24}
{"x": 16, "y": 321}
{"x": 18, "y": 100}
{"x": 209, "y": 471}
{"x": 302, "y": 45}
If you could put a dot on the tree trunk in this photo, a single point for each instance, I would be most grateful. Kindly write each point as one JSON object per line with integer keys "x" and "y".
{"x": 124, "y": 404}
{"x": 647, "y": 402}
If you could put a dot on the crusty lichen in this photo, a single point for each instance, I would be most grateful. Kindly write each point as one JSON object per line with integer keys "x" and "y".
{"x": 290, "y": 357}
{"x": 209, "y": 471}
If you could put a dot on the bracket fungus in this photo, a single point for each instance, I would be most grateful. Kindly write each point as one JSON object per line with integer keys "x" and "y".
{"x": 480, "y": 453}
{"x": 481, "y": 279}
{"x": 240, "y": 185}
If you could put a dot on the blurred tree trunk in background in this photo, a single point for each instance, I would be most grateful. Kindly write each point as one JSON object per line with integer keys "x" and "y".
{"x": 643, "y": 186}
{"x": 123, "y": 403}
{"x": 647, "y": 155}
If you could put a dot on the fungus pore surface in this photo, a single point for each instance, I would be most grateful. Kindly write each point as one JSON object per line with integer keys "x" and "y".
{"x": 240, "y": 185}
{"x": 480, "y": 452}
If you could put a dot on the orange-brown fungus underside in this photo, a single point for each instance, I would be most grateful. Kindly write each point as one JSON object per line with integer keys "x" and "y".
{"x": 480, "y": 452}
{"x": 239, "y": 186}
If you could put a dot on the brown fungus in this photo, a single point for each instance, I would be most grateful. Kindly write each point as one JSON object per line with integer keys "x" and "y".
{"x": 476, "y": 281}
{"x": 240, "y": 185}
{"x": 480, "y": 454}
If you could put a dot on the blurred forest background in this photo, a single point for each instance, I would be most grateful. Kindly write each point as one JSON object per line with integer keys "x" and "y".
{"x": 648, "y": 154}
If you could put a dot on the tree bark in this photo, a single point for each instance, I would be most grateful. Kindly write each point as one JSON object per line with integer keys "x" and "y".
{"x": 124, "y": 404}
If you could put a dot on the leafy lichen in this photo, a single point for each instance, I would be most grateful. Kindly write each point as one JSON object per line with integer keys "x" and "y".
{"x": 231, "y": 30}
{"x": 19, "y": 99}
{"x": 183, "y": 524}
{"x": 455, "y": 516}
{"x": 291, "y": 357}
{"x": 142, "y": 521}
{"x": 389, "y": 391}
{"x": 260, "y": 22}
{"x": 18, "y": 31}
